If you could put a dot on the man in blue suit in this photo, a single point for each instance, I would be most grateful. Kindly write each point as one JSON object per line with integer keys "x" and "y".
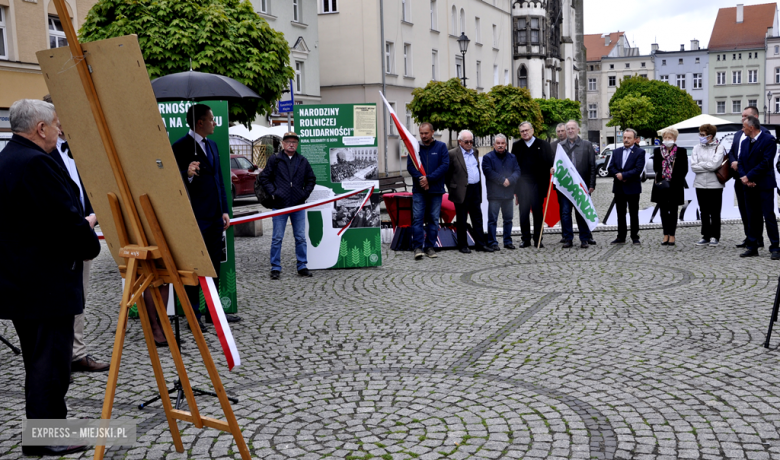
{"x": 754, "y": 167}
{"x": 198, "y": 161}
{"x": 626, "y": 168}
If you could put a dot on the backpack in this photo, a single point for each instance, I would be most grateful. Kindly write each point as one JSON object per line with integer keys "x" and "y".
{"x": 262, "y": 196}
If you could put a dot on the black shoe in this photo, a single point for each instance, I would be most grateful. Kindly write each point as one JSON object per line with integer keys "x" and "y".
{"x": 304, "y": 272}
{"x": 584, "y": 245}
{"x": 509, "y": 246}
{"x": 495, "y": 248}
{"x": 637, "y": 242}
{"x": 742, "y": 245}
{"x": 750, "y": 253}
{"x": 525, "y": 244}
{"x": 483, "y": 249}
{"x": 776, "y": 255}
{"x": 54, "y": 451}
{"x": 418, "y": 254}
{"x": 567, "y": 244}
{"x": 618, "y": 241}
{"x": 563, "y": 240}
{"x": 230, "y": 318}
{"x": 88, "y": 364}
{"x": 465, "y": 250}
{"x": 592, "y": 242}
{"x": 431, "y": 253}
{"x": 161, "y": 344}
{"x": 670, "y": 243}
{"x": 201, "y": 324}
{"x": 665, "y": 243}
{"x": 275, "y": 274}
{"x": 539, "y": 245}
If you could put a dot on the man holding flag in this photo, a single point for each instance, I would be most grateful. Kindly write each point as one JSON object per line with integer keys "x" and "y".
{"x": 583, "y": 157}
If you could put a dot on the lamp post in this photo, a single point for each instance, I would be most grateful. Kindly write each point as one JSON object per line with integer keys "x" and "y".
{"x": 767, "y": 107}
{"x": 463, "y": 43}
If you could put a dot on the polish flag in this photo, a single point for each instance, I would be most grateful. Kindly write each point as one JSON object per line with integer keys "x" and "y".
{"x": 412, "y": 146}
{"x": 220, "y": 322}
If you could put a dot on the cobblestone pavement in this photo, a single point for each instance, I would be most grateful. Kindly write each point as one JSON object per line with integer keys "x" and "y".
{"x": 628, "y": 352}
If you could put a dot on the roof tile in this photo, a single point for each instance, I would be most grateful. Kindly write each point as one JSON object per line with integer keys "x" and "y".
{"x": 750, "y": 33}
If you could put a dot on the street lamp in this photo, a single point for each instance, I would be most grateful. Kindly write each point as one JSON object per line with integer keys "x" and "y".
{"x": 768, "y": 103}
{"x": 463, "y": 43}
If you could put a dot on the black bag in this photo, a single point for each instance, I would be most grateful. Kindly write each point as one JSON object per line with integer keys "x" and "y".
{"x": 262, "y": 196}
{"x": 663, "y": 184}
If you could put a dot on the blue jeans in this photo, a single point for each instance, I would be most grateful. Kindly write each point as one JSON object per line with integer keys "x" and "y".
{"x": 507, "y": 209}
{"x": 425, "y": 210}
{"x": 298, "y": 220}
{"x": 566, "y": 223}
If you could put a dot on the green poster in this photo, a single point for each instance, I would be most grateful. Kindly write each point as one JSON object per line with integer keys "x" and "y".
{"x": 340, "y": 142}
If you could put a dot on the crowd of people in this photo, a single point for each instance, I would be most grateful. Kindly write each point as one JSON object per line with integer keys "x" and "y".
{"x": 367, "y": 217}
{"x": 522, "y": 178}
{"x": 348, "y": 170}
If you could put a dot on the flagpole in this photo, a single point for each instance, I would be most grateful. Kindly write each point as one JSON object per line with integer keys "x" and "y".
{"x": 544, "y": 216}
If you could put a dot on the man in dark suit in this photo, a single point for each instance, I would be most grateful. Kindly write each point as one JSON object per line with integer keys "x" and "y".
{"x": 41, "y": 273}
{"x": 754, "y": 166}
{"x": 198, "y": 160}
{"x": 535, "y": 159}
{"x": 464, "y": 183}
{"x": 583, "y": 156}
{"x": 626, "y": 168}
{"x": 739, "y": 188}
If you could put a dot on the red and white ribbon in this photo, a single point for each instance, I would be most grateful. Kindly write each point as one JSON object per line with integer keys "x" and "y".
{"x": 220, "y": 322}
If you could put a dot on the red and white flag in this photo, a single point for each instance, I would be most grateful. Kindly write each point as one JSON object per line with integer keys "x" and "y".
{"x": 220, "y": 322}
{"x": 412, "y": 146}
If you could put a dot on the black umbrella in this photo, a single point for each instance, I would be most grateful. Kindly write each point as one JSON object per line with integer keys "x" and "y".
{"x": 199, "y": 86}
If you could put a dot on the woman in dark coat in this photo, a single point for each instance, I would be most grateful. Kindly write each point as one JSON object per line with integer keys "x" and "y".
{"x": 670, "y": 163}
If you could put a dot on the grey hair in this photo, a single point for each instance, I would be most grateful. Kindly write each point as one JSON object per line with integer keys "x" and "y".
{"x": 753, "y": 122}
{"x": 460, "y": 134}
{"x": 25, "y": 114}
{"x": 573, "y": 121}
{"x": 500, "y": 136}
{"x": 560, "y": 125}
{"x": 525, "y": 123}
{"x": 629, "y": 130}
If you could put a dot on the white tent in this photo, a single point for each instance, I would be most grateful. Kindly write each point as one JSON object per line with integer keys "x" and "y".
{"x": 257, "y": 132}
{"x": 697, "y": 121}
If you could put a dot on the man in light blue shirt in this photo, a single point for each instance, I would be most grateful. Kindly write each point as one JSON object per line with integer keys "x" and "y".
{"x": 464, "y": 183}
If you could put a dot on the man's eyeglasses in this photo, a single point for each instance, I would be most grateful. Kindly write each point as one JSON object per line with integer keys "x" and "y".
{"x": 468, "y": 142}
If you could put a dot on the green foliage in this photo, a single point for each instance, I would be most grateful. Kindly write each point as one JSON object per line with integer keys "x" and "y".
{"x": 631, "y": 110}
{"x": 670, "y": 104}
{"x": 555, "y": 111}
{"x": 513, "y": 106}
{"x": 449, "y": 105}
{"x": 223, "y": 37}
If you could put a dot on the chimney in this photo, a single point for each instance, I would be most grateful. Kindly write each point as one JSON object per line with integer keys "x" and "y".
{"x": 607, "y": 40}
{"x": 682, "y": 47}
{"x": 653, "y": 48}
{"x": 740, "y": 13}
{"x": 694, "y": 45}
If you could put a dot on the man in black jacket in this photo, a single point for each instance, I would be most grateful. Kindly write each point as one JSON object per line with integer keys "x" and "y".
{"x": 41, "y": 270}
{"x": 198, "y": 159}
{"x": 583, "y": 156}
{"x": 535, "y": 159}
{"x": 289, "y": 180}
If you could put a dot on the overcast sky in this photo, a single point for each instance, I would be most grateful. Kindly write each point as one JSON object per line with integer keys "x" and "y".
{"x": 669, "y": 23}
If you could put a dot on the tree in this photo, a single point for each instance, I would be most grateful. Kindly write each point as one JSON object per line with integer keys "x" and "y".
{"x": 450, "y": 105}
{"x": 555, "y": 111}
{"x": 223, "y": 37}
{"x": 670, "y": 105}
{"x": 632, "y": 110}
{"x": 511, "y": 107}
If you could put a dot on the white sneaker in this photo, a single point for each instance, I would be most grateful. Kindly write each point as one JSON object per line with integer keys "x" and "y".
{"x": 713, "y": 242}
{"x": 702, "y": 242}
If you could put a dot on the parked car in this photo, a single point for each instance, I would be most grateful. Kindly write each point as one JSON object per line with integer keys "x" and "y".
{"x": 242, "y": 176}
{"x": 603, "y": 163}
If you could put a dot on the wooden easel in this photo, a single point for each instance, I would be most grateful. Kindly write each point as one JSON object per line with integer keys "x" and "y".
{"x": 148, "y": 267}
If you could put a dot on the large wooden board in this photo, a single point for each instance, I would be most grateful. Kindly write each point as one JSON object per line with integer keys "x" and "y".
{"x": 125, "y": 93}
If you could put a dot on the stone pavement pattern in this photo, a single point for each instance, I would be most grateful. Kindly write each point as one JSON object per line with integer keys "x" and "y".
{"x": 607, "y": 352}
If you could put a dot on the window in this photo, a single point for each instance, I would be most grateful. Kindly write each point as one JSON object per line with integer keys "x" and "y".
{"x": 740, "y": 56}
{"x": 698, "y": 61}
{"x": 612, "y": 66}
{"x": 697, "y": 81}
{"x": 681, "y": 81}
{"x": 477, "y": 31}
{"x": 663, "y": 61}
{"x": 752, "y": 103}
{"x": 591, "y": 84}
{"x": 522, "y": 77}
{"x": 407, "y": 60}
{"x": 777, "y": 74}
{"x": 719, "y": 57}
{"x": 665, "y": 78}
{"x": 698, "y": 102}
{"x": 454, "y": 21}
{"x": 389, "y": 58}
{"x": 495, "y": 36}
{"x": 409, "y": 124}
{"x": 3, "y": 48}
{"x": 479, "y": 74}
{"x": 298, "y": 76}
{"x": 680, "y": 61}
{"x": 752, "y": 76}
{"x": 296, "y": 10}
{"x": 643, "y": 75}
{"x": 777, "y": 49}
{"x": 612, "y": 81}
{"x": 434, "y": 65}
{"x": 507, "y": 80}
{"x": 264, "y": 6}
{"x": 736, "y": 77}
{"x": 777, "y": 105}
{"x": 462, "y": 21}
{"x": 434, "y": 16}
{"x": 495, "y": 75}
{"x": 459, "y": 66}
{"x": 406, "y": 13}
{"x": 734, "y": 57}
{"x": 721, "y": 106}
{"x": 721, "y": 78}
{"x": 736, "y": 106}
{"x": 328, "y": 6}
{"x": 628, "y": 65}
{"x": 522, "y": 35}
{"x": 392, "y": 131}
{"x": 535, "y": 31}
{"x": 592, "y": 111}
{"x": 750, "y": 55}
{"x": 591, "y": 68}
{"x": 56, "y": 33}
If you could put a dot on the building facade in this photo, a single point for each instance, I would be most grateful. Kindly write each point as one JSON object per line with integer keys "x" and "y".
{"x": 420, "y": 45}
{"x": 613, "y": 70}
{"x": 298, "y": 21}
{"x": 772, "y": 76}
{"x": 687, "y": 70}
{"x": 28, "y": 26}
{"x": 597, "y": 47}
{"x": 737, "y": 59}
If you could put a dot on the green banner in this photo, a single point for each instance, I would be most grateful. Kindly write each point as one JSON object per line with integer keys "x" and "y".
{"x": 340, "y": 142}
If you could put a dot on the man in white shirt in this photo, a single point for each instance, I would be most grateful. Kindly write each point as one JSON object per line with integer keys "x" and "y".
{"x": 464, "y": 184}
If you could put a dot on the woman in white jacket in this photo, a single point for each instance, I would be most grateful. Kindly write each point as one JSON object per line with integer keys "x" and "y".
{"x": 707, "y": 158}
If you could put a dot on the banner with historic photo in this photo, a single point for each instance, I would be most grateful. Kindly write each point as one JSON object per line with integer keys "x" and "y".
{"x": 340, "y": 142}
